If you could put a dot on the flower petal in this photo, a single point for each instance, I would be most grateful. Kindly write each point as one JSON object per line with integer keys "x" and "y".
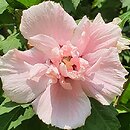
{"x": 44, "y": 43}
{"x": 123, "y": 44}
{"x": 14, "y": 73}
{"x": 50, "y": 19}
{"x": 106, "y": 76}
{"x": 95, "y": 35}
{"x": 79, "y": 34}
{"x": 98, "y": 19}
{"x": 63, "y": 108}
{"x": 32, "y": 56}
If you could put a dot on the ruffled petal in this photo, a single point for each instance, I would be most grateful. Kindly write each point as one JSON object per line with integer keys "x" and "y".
{"x": 106, "y": 76}
{"x": 50, "y": 19}
{"x": 63, "y": 108}
{"x": 95, "y": 35}
{"x": 44, "y": 43}
{"x": 32, "y": 56}
{"x": 98, "y": 19}
{"x": 14, "y": 73}
{"x": 79, "y": 34}
{"x": 123, "y": 44}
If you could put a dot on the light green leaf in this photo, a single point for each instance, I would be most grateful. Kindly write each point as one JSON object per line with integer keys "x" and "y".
{"x": 126, "y": 3}
{"x": 7, "y": 118}
{"x": 102, "y": 117}
{"x": 75, "y": 3}
{"x": 125, "y": 17}
{"x": 27, "y": 115}
{"x": 10, "y": 43}
{"x": 7, "y": 106}
{"x": 29, "y": 3}
{"x": 98, "y": 3}
{"x": 126, "y": 95}
{"x": 3, "y": 5}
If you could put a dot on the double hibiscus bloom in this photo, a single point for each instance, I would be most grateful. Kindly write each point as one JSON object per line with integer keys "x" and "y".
{"x": 67, "y": 64}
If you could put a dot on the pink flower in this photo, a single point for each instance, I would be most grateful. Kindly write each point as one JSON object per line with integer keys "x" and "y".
{"x": 67, "y": 63}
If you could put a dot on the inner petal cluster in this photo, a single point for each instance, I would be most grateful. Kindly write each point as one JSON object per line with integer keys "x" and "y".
{"x": 70, "y": 65}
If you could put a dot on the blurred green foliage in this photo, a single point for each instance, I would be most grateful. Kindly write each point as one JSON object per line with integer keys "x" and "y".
{"x": 21, "y": 117}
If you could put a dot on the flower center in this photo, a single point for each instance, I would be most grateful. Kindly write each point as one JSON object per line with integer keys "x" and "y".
{"x": 67, "y": 61}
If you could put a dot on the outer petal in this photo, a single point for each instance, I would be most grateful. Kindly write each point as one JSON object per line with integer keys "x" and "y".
{"x": 50, "y": 19}
{"x": 32, "y": 56}
{"x": 78, "y": 38}
{"x": 66, "y": 109}
{"x": 96, "y": 35}
{"x": 14, "y": 73}
{"x": 44, "y": 43}
{"x": 98, "y": 19}
{"x": 106, "y": 76}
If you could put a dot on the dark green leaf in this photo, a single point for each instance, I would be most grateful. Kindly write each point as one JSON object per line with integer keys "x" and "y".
{"x": 16, "y": 4}
{"x": 27, "y": 115}
{"x": 1, "y": 91}
{"x": 32, "y": 124}
{"x": 7, "y": 118}
{"x": 124, "y": 121}
{"x": 102, "y": 118}
{"x": 6, "y": 22}
{"x": 68, "y": 6}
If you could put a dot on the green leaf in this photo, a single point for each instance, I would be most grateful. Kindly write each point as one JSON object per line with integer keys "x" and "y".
{"x": 102, "y": 117}
{"x": 7, "y": 118}
{"x": 75, "y": 3}
{"x": 6, "y": 21}
{"x": 32, "y": 124}
{"x": 124, "y": 121}
{"x": 3, "y": 5}
{"x": 126, "y": 95}
{"x": 15, "y": 4}
{"x": 98, "y": 3}
{"x": 124, "y": 100}
{"x": 27, "y": 115}
{"x": 29, "y": 3}
{"x": 10, "y": 43}
{"x": 126, "y": 3}
{"x": 7, "y": 106}
{"x": 68, "y": 6}
{"x": 124, "y": 17}
{"x": 1, "y": 91}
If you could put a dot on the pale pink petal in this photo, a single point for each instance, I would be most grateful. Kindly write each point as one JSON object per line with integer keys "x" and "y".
{"x": 96, "y": 35}
{"x": 14, "y": 73}
{"x": 79, "y": 34}
{"x": 98, "y": 19}
{"x": 37, "y": 71}
{"x": 106, "y": 76}
{"x": 44, "y": 43}
{"x": 63, "y": 108}
{"x": 50, "y": 19}
{"x": 32, "y": 56}
{"x": 53, "y": 74}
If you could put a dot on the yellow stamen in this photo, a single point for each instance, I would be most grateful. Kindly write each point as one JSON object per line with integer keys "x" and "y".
{"x": 67, "y": 62}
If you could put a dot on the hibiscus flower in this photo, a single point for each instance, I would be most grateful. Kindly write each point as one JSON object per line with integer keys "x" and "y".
{"x": 67, "y": 64}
